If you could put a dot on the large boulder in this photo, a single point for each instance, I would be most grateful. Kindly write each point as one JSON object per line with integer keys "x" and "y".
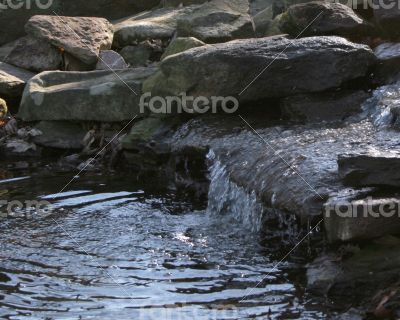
{"x": 322, "y": 18}
{"x": 12, "y": 21}
{"x": 236, "y": 68}
{"x": 106, "y": 96}
{"x": 214, "y": 21}
{"x": 13, "y": 80}
{"x": 32, "y": 54}
{"x": 80, "y": 36}
{"x": 387, "y": 16}
{"x": 218, "y": 21}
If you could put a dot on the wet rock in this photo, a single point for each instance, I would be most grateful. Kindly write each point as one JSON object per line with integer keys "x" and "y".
{"x": 241, "y": 61}
{"x": 109, "y": 59}
{"x": 84, "y": 96}
{"x": 360, "y": 215}
{"x": 387, "y": 16}
{"x": 137, "y": 56}
{"x": 32, "y": 54}
{"x": 181, "y": 44}
{"x": 388, "y": 67}
{"x": 322, "y": 18}
{"x": 80, "y": 36}
{"x": 20, "y": 147}
{"x": 13, "y": 21}
{"x": 60, "y": 134}
{"x": 157, "y": 24}
{"x": 13, "y": 80}
{"x": 370, "y": 169}
{"x": 323, "y": 106}
{"x": 218, "y": 21}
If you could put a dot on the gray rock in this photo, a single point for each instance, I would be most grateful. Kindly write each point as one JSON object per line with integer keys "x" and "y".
{"x": 370, "y": 169}
{"x": 157, "y": 24}
{"x": 80, "y": 36}
{"x": 12, "y": 21}
{"x": 6, "y": 49}
{"x": 387, "y": 16}
{"x": 322, "y": 18}
{"x": 13, "y": 80}
{"x": 218, "y": 21}
{"x": 60, "y": 134}
{"x": 32, "y": 54}
{"x": 136, "y": 56}
{"x": 176, "y": 3}
{"x": 179, "y": 45}
{"x": 308, "y": 65}
{"x": 262, "y": 21}
{"x": 388, "y": 67}
{"x": 109, "y": 59}
{"x": 84, "y": 96}
{"x": 323, "y": 106}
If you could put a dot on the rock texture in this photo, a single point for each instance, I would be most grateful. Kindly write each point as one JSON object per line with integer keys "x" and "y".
{"x": 322, "y": 18}
{"x": 84, "y": 96}
{"x": 109, "y": 59}
{"x": 81, "y": 37}
{"x": 35, "y": 55}
{"x": 235, "y": 68}
{"x": 179, "y": 45}
{"x": 13, "y": 80}
{"x": 370, "y": 169}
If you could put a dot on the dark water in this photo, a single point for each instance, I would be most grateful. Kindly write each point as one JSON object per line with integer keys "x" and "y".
{"x": 116, "y": 247}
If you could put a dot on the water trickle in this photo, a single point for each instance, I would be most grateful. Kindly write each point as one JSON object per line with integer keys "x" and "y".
{"x": 227, "y": 198}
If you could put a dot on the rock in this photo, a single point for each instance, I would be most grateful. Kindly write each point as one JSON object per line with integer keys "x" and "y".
{"x": 6, "y": 49}
{"x": 359, "y": 215}
{"x": 3, "y": 108}
{"x": 13, "y": 80}
{"x": 387, "y": 16}
{"x": 81, "y": 37}
{"x": 388, "y": 67}
{"x": 181, "y": 44}
{"x": 308, "y": 65}
{"x": 157, "y": 24}
{"x": 323, "y": 106}
{"x": 322, "y": 18}
{"x": 20, "y": 147}
{"x": 176, "y": 3}
{"x": 60, "y": 134}
{"x": 370, "y": 169}
{"x": 262, "y": 21}
{"x": 13, "y": 21}
{"x": 218, "y": 21}
{"x": 84, "y": 96}
{"x": 32, "y": 54}
{"x": 136, "y": 56}
{"x": 109, "y": 59}
{"x": 70, "y": 63}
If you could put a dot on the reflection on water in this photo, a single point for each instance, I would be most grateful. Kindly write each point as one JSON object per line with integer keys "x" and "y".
{"x": 118, "y": 248}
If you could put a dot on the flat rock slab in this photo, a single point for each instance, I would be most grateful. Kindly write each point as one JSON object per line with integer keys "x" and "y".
{"x": 35, "y": 55}
{"x": 106, "y": 96}
{"x": 80, "y": 36}
{"x": 311, "y": 64}
{"x": 13, "y": 80}
{"x": 322, "y": 18}
{"x": 370, "y": 169}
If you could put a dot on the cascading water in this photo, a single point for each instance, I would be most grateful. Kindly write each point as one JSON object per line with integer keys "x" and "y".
{"x": 226, "y": 198}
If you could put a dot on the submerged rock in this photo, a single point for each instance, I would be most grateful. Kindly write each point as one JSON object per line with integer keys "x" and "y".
{"x": 109, "y": 59}
{"x": 179, "y": 45}
{"x": 370, "y": 169}
{"x": 323, "y": 106}
{"x": 308, "y": 65}
{"x": 60, "y": 134}
{"x": 80, "y": 36}
{"x": 32, "y": 54}
{"x": 13, "y": 80}
{"x": 84, "y": 96}
{"x": 322, "y": 18}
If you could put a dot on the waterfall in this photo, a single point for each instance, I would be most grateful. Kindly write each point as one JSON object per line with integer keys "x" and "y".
{"x": 228, "y": 199}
